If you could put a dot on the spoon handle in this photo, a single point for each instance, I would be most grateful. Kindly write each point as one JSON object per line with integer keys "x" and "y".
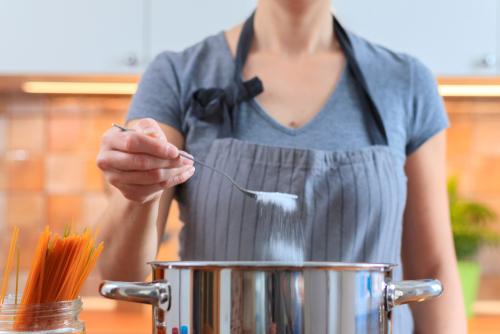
{"x": 186, "y": 156}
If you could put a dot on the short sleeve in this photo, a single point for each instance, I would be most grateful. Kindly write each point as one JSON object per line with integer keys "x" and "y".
{"x": 158, "y": 94}
{"x": 428, "y": 115}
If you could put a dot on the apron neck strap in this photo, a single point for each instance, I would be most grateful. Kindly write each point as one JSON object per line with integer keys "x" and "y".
{"x": 379, "y": 134}
{"x": 244, "y": 45}
{"x": 379, "y": 137}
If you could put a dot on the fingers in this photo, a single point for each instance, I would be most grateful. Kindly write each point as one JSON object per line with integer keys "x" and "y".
{"x": 136, "y": 142}
{"x": 117, "y": 160}
{"x": 149, "y": 127}
{"x": 141, "y": 162}
{"x": 184, "y": 174}
{"x": 167, "y": 177}
{"x": 143, "y": 193}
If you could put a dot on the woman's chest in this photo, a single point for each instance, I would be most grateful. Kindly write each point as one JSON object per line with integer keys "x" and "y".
{"x": 343, "y": 123}
{"x": 297, "y": 89}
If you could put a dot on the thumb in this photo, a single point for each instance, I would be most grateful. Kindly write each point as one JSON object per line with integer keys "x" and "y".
{"x": 149, "y": 127}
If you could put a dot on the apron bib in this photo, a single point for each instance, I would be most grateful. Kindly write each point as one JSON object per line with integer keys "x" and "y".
{"x": 350, "y": 206}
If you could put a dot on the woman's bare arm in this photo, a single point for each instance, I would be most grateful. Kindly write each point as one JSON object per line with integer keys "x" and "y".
{"x": 134, "y": 221}
{"x": 427, "y": 248}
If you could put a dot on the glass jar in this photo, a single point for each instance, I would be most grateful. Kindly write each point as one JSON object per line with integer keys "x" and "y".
{"x": 49, "y": 318}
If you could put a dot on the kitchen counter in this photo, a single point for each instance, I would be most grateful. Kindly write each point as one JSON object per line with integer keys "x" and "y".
{"x": 106, "y": 322}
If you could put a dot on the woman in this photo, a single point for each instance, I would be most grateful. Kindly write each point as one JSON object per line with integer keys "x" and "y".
{"x": 354, "y": 129}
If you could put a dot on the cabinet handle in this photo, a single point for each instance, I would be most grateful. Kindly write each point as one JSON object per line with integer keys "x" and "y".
{"x": 489, "y": 60}
{"x": 131, "y": 60}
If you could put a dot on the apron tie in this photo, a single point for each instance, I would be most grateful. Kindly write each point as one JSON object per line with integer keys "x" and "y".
{"x": 216, "y": 105}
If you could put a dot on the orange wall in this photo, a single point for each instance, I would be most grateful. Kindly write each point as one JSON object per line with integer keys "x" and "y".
{"x": 474, "y": 157}
{"x": 474, "y": 148}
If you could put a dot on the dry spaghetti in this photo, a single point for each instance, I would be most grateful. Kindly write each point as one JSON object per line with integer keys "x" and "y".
{"x": 8, "y": 265}
{"x": 59, "y": 267}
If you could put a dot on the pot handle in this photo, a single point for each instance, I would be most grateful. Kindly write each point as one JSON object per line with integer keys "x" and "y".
{"x": 157, "y": 293}
{"x": 404, "y": 292}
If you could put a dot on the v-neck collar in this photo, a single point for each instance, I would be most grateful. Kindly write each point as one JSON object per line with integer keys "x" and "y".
{"x": 327, "y": 106}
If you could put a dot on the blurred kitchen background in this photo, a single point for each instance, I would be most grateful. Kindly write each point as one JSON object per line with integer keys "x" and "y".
{"x": 68, "y": 69}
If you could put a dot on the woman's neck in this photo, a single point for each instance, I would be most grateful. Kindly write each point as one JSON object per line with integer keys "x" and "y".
{"x": 294, "y": 27}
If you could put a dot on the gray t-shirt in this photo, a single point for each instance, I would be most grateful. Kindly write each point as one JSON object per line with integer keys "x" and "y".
{"x": 404, "y": 90}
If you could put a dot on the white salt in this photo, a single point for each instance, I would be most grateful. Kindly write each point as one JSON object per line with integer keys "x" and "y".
{"x": 286, "y": 238}
{"x": 283, "y": 249}
{"x": 285, "y": 242}
{"x": 287, "y": 202}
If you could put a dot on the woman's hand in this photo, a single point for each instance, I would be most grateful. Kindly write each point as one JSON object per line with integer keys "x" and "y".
{"x": 141, "y": 163}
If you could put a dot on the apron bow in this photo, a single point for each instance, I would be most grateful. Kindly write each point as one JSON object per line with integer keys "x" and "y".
{"x": 216, "y": 105}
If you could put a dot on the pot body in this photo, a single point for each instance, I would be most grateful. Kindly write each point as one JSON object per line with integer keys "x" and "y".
{"x": 256, "y": 297}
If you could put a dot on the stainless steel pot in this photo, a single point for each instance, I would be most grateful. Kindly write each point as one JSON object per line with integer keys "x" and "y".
{"x": 263, "y": 297}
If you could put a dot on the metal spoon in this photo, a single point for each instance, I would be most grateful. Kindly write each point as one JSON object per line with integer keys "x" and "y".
{"x": 251, "y": 193}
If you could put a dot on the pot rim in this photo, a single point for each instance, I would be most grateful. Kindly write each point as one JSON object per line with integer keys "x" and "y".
{"x": 270, "y": 265}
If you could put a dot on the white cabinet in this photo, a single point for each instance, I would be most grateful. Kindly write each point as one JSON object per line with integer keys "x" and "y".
{"x": 497, "y": 56}
{"x": 61, "y": 36}
{"x": 453, "y": 37}
{"x": 176, "y": 25}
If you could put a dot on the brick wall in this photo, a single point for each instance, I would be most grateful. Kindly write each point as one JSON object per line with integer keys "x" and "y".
{"x": 48, "y": 175}
{"x": 474, "y": 157}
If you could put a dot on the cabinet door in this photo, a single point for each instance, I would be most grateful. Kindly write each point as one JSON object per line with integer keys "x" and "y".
{"x": 453, "y": 37}
{"x": 176, "y": 25}
{"x": 496, "y": 57}
{"x": 60, "y": 36}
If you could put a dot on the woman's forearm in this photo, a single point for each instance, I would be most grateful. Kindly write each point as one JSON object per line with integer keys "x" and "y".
{"x": 130, "y": 234}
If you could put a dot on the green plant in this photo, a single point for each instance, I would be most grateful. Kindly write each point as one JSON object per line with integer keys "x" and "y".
{"x": 469, "y": 222}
